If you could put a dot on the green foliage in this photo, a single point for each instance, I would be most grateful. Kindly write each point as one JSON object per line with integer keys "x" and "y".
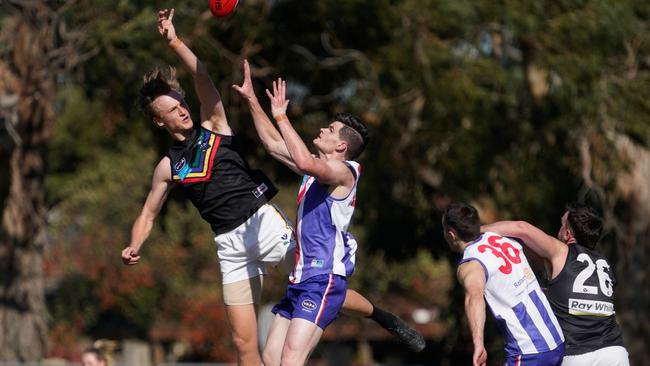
{"x": 419, "y": 279}
{"x": 480, "y": 101}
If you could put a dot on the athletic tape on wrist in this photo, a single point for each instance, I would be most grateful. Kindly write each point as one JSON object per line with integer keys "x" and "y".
{"x": 175, "y": 43}
{"x": 280, "y": 118}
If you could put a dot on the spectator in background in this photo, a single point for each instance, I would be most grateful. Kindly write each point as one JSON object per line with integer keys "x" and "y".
{"x": 99, "y": 354}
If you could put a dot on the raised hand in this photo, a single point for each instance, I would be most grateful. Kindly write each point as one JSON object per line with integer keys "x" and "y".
{"x": 246, "y": 89}
{"x": 165, "y": 25}
{"x": 278, "y": 99}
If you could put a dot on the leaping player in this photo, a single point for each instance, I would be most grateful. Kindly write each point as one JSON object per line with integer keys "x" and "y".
{"x": 325, "y": 250}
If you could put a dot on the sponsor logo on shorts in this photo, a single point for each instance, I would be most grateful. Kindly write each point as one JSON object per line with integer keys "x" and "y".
{"x": 259, "y": 191}
{"x": 285, "y": 239}
{"x": 318, "y": 263}
{"x": 590, "y": 307}
{"x": 308, "y": 305}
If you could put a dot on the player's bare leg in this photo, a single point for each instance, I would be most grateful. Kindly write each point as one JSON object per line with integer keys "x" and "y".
{"x": 314, "y": 342}
{"x": 357, "y": 305}
{"x": 243, "y": 324}
{"x": 275, "y": 341}
{"x": 302, "y": 337}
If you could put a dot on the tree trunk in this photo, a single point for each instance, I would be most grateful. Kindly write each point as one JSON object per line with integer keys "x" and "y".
{"x": 632, "y": 231}
{"x": 26, "y": 123}
{"x": 626, "y": 206}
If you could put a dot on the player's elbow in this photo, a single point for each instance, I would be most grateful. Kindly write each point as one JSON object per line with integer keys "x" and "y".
{"x": 270, "y": 147}
{"x": 474, "y": 293}
{"x": 273, "y": 147}
{"x": 473, "y": 297}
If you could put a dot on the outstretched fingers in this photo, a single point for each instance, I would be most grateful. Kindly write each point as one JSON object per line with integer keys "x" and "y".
{"x": 247, "y": 71}
{"x": 246, "y": 88}
{"x": 280, "y": 88}
{"x": 278, "y": 97}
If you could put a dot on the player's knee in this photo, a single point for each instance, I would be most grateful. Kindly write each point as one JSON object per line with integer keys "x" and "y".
{"x": 292, "y": 355}
{"x": 270, "y": 358}
{"x": 290, "y": 362}
{"x": 244, "y": 345}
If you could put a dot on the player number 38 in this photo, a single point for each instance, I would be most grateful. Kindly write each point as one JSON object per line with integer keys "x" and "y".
{"x": 502, "y": 250}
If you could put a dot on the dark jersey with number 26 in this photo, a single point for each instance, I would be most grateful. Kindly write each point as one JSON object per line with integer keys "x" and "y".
{"x": 582, "y": 298}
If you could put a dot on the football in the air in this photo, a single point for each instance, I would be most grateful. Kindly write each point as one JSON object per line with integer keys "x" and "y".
{"x": 222, "y": 8}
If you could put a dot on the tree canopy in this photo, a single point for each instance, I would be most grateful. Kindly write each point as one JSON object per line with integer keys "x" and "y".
{"x": 516, "y": 106}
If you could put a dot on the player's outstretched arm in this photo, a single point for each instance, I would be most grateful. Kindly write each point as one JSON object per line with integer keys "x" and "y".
{"x": 160, "y": 187}
{"x": 213, "y": 115}
{"x": 472, "y": 276}
{"x": 538, "y": 241}
{"x": 327, "y": 172}
{"x": 269, "y": 135}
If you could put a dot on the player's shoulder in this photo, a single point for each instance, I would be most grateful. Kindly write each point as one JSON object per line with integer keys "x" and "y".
{"x": 164, "y": 161}
{"x": 469, "y": 266}
{"x": 471, "y": 272}
{"x": 345, "y": 174}
{"x": 163, "y": 170}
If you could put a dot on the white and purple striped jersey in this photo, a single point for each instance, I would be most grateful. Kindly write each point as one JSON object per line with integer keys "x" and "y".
{"x": 323, "y": 243}
{"x": 513, "y": 294}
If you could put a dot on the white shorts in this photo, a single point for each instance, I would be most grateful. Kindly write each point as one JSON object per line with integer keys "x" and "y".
{"x": 265, "y": 238}
{"x": 608, "y": 356}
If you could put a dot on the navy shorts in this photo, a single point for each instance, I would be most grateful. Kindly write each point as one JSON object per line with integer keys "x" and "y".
{"x": 318, "y": 299}
{"x": 549, "y": 358}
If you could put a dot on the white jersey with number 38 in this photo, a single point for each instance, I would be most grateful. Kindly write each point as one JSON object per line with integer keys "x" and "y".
{"x": 514, "y": 296}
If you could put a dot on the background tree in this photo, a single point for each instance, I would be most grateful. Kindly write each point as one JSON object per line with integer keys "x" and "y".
{"x": 37, "y": 50}
{"x": 517, "y": 107}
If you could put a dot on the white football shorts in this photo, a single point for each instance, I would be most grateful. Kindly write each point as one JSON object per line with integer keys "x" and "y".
{"x": 266, "y": 238}
{"x": 608, "y": 356}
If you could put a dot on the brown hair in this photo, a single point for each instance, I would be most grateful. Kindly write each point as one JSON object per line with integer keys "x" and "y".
{"x": 585, "y": 223}
{"x": 354, "y": 133}
{"x": 464, "y": 219}
{"x": 157, "y": 82}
